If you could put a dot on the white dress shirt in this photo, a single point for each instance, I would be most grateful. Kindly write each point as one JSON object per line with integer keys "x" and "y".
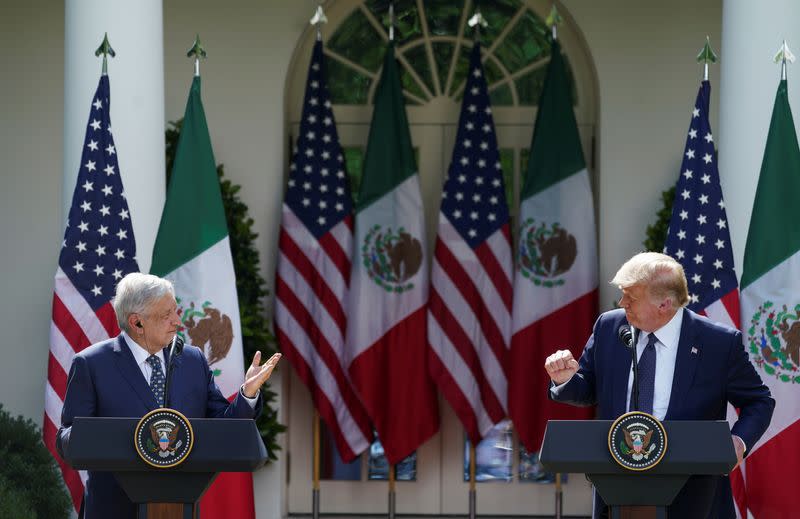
{"x": 666, "y": 352}
{"x": 140, "y": 355}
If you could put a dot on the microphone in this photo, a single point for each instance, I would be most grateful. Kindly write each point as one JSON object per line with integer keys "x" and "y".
{"x": 175, "y": 349}
{"x": 626, "y": 336}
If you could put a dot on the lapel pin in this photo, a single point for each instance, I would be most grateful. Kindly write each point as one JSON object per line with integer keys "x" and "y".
{"x": 694, "y": 350}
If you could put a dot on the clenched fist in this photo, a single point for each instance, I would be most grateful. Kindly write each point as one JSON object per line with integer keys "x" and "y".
{"x": 561, "y": 365}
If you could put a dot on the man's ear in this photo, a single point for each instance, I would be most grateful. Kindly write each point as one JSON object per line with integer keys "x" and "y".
{"x": 135, "y": 322}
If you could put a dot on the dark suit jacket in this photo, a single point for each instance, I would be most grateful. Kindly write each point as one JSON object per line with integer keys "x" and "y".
{"x": 105, "y": 380}
{"x": 704, "y": 382}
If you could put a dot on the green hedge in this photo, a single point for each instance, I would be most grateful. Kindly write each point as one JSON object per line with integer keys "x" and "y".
{"x": 30, "y": 481}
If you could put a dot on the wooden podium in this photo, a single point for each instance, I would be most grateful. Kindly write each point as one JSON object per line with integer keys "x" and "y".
{"x": 694, "y": 448}
{"x": 220, "y": 445}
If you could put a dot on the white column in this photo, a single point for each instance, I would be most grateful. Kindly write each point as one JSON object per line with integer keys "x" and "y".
{"x": 752, "y": 32}
{"x": 136, "y": 32}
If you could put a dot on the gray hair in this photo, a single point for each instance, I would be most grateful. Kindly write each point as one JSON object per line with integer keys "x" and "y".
{"x": 661, "y": 274}
{"x": 137, "y": 291}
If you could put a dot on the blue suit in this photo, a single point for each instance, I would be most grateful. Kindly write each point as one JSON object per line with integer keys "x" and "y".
{"x": 105, "y": 380}
{"x": 711, "y": 369}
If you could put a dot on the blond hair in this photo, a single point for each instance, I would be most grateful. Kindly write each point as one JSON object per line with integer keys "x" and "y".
{"x": 661, "y": 274}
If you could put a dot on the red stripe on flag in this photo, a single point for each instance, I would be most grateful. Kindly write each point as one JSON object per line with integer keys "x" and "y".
{"x": 71, "y": 477}
{"x": 320, "y": 399}
{"x": 336, "y": 254}
{"x": 324, "y": 349}
{"x": 56, "y": 376}
{"x": 392, "y": 378}
{"x": 466, "y": 349}
{"x": 68, "y": 326}
{"x": 731, "y": 303}
{"x": 108, "y": 319}
{"x": 455, "y": 397}
{"x": 472, "y": 296}
{"x": 323, "y": 292}
{"x": 495, "y": 272}
{"x": 528, "y": 404}
{"x": 772, "y": 480}
{"x": 230, "y": 495}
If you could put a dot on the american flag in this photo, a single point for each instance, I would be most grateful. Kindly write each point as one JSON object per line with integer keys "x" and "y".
{"x": 316, "y": 241}
{"x": 699, "y": 239}
{"x": 471, "y": 289}
{"x": 97, "y": 251}
{"x": 698, "y": 235}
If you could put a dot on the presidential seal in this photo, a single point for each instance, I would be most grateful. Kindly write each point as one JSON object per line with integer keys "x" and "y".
{"x": 774, "y": 341}
{"x": 546, "y": 252}
{"x": 637, "y": 441}
{"x": 163, "y": 438}
{"x": 391, "y": 258}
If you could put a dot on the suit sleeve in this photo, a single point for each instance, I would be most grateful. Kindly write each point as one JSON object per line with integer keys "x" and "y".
{"x": 580, "y": 390}
{"x": 747, "y": 392}
{"x": 218, "y": 406}
{"x": 80, "y": 400}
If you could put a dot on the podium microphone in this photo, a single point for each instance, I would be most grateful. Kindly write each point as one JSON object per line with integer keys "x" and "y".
{"x": 627, "y": 337}
{"x": 175, "y": 349}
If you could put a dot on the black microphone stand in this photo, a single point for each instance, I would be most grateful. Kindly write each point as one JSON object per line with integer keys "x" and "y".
{"x": 635, "y": 388}
{"x": 174, "y": 350}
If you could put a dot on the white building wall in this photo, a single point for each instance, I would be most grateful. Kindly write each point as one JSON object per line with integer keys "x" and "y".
{"x": 644, "y": 58}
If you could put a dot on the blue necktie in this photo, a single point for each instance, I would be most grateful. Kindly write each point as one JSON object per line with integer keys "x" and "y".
{"x": 647, "y": 376}
{"x": 157, "y": 379}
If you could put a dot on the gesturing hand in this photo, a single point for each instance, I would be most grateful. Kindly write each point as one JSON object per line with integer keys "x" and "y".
{"x": 258, "y": 373}
{"x": 560, "y": 366}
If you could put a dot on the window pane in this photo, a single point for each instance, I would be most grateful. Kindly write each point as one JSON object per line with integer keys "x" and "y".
{"x": 526, "y": 43}
{"x": 409, "y": 83}
{"x": 406, "y": 470}
{"x": 354, "y": 162}
{"x": 531, "y": 471}
{"x": 443, "y": 55}
{"x": 529, "y": 86}
{"x": 497, "y": 14}
{"x": 331, "y": 465}
{"x": 507, "y": 162}
{"x": 493, "y": 73}
{"x": 492, "y": 455}
{"x": 501, "y": 96}
{"x": 418, "y": 58}
{"x": 347, "y": 86}
{"x": 443, "y": 16}
{"x": 357, "y": 40}
{"x": 462, "y": 64}
{"x": 406, "y": 18}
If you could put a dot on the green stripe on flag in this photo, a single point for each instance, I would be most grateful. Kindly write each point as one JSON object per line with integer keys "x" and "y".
{"x": 390, "y": 158}
{"x": 774, "y": 234}
{"x": 556, "y": 146}
{"x": 194, "y": 218}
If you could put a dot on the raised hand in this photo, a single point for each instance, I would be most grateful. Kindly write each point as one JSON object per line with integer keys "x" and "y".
{"x": 258, "y": 373}
{"x": 560, "y": 366}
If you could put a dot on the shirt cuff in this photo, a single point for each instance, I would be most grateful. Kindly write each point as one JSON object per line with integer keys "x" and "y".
{"x": 251, "y": 401}
{"x": 743, "y": 443}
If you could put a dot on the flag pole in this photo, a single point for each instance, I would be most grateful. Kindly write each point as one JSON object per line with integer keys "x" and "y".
{"x": 391, "y": 466}
{"x": 317, "y": 20}
{"x": 106, "y": 50}
{"x": 554, "y": 20}
{"x": 477, "y": 21}
{"x": 784, "y": 55}
{"x": 472, "y": 494}
{"x": 315, "y": 487}
{"x": 706, "y": 55}
{"x": 198, "y": 51}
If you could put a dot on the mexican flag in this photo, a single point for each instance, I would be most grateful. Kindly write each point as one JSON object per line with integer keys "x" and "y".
{"x": 770, "y": 297}
{"x": 387, "y": 331}
{"x": 193, "y": 251}
{"x": 555, "y": 282}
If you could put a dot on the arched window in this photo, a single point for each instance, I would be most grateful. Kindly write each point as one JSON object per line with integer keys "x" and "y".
{"x": 433, "y": 45}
